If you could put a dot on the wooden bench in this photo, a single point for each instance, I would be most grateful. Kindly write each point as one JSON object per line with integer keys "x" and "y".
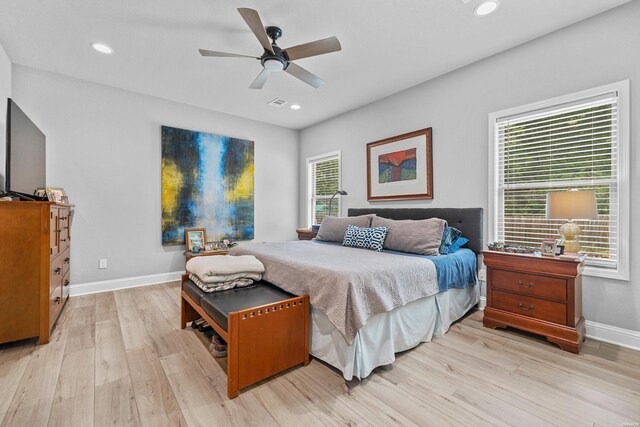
{"x": 266, "y": 328}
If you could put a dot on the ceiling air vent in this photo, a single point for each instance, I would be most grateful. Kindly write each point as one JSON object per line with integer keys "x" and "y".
{"x": 277, "y": 102}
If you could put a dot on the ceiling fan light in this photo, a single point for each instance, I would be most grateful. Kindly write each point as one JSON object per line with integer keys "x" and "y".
{"x": 273, "y": 65}
{"x": 486, "y": 7}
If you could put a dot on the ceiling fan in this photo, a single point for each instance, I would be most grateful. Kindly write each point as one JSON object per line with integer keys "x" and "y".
{"x": 275, "y": 59}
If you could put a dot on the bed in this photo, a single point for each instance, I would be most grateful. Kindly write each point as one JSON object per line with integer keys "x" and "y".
{"x": 356, "y": 331}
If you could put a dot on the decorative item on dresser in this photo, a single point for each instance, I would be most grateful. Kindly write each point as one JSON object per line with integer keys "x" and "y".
{"x": 571, "y": 205}
{"x": 34, "y": 268}
{"x": 306, "y": 233}
{"x": 542, "y": 295}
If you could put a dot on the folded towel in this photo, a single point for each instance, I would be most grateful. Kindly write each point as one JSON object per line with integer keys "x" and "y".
{"x": 220, "y": 286}
{"x": 224, "y": 267}
{"x": 227, "y": 277}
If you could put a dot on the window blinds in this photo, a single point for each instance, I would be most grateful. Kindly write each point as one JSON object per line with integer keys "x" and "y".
{"x": 325, "y": 178}
{"x": 572, "y": 146}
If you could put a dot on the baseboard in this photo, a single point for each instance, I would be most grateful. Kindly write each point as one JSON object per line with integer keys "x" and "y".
{"x": 613, "y": 335}
{"x": 482, "y": 303}
{"x": 127, "y": 282}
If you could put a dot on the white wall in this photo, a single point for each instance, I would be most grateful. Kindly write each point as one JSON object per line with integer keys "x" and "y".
{"x": 103, "y": 147}
{"x": 5, "y": 92}
{"x": 601, "y": 50}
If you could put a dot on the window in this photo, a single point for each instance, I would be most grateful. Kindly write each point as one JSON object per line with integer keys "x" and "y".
{"x": 323, "y": 182}
{"x": 579, "y": 142}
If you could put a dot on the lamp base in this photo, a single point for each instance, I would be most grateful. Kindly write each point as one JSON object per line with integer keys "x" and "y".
{"x": 570, "y": 232}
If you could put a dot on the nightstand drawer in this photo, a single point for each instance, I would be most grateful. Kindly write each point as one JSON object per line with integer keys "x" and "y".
{"x": 530, "y": 284}
{"x": 528, "y": 306}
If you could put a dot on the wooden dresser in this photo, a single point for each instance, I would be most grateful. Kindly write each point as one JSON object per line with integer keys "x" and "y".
{"x": 542, "y": 295}
{"x": 34, "y": 268}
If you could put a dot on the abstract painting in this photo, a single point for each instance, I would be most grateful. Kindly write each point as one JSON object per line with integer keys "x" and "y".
{"x": 401, "y": 167}
{"x": 397, "y": 166}
{"x": 207, "y": 181}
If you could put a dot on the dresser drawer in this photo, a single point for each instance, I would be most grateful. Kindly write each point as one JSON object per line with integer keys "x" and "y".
{"x": 64, "y": 239}
{"x": 65, "y": 285}
{"x": 66, "y": 261}
{"x": 55, "y": 305}
{"x": 550, "y": 311}
{"x": 54, "y": 227}
{"x": 55, "y": 275}
{"x": 529, "y": 284}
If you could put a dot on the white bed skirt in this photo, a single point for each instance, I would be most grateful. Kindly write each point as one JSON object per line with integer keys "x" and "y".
{"x": 388, "y": 333}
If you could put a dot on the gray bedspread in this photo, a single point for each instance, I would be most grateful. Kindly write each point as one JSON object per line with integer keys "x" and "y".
{"x": 348, "y": 285}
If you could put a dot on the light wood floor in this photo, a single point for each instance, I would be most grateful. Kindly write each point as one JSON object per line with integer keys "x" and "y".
{"x": 119, "y": 358}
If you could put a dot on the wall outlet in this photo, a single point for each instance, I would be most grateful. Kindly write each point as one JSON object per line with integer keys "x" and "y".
{"x": 103, "y": 263}
{"x": 482, "y": 275}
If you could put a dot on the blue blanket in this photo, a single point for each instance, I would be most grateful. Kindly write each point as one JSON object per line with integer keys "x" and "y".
{"x": 456, "y": 270}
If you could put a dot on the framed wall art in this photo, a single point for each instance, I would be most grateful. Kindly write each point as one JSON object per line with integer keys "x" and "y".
{"x": 401, "y": 167}
{"x": 207, "y": 181}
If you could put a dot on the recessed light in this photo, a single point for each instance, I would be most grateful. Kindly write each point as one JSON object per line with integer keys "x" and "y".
{"x": 101, "y": 47}
{"x": 486, "y": 7}
{"x": 295, "y": 107}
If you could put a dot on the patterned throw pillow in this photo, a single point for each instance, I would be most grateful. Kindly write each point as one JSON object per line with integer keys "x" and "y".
{"x": 367, "y": 238}
{"x": 449, "y": 237}
{"x": 460, "y": 242}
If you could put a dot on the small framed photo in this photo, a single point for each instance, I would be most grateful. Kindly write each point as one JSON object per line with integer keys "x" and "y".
{"x": 208, "y": 247}
{"x": 40, "y": 192}
{"x": 195, "y": 238}
{"x": 56, "y": 195}
{"x": 548, "y": 247}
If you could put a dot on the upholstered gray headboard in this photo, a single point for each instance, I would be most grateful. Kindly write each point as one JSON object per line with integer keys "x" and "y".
{"x": 467, "y": 220}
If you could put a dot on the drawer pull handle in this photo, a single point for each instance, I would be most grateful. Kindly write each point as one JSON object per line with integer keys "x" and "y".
{"x": 528, "y": 285}
{"x": 57, "y": 270}
{"x": 66, "y": 282}
{"x": 66, "y": 260}
{"x": 58, "y": 300}
{"x": 522, "y": 306}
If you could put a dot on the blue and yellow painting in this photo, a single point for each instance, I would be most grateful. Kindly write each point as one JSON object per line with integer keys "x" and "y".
{"x": 207, "y": 181}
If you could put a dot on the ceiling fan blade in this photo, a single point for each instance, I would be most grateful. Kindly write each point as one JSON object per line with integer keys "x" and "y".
{"x": 318, "y": 47}
{"x": 205, "y": 52}
{"x": 252, "y": 19}
{"x": 304, "y": 75}
{"x": 259, "y": 82}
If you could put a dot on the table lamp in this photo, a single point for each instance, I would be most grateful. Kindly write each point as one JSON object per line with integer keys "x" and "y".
{"x": 340, "y": 192}
{"x": 570, "y": 205}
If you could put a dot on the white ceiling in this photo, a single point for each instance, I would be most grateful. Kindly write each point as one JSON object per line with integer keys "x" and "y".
{"x": 387, "y": 46}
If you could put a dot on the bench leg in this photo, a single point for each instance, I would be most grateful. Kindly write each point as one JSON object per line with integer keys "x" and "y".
{"x": 187, "y": 313}
{"x": 233, "y": 360}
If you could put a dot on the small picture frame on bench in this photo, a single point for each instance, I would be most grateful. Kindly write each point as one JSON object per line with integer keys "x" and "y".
{"x": 195, "y": 238}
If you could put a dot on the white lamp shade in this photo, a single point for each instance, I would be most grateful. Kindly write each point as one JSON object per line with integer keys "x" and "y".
{"x": 572, "y": 205}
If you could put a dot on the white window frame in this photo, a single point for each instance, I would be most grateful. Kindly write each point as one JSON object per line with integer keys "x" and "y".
{"x": 623, "y": 239}
{"x": 309, "y": 199}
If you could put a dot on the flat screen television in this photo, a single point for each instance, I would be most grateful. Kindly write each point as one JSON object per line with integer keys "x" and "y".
{"x": 26, "y": 153}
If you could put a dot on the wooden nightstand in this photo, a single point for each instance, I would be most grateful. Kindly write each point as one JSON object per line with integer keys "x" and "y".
{"x": 306, "y": 233}
{"x": 542, "y": 295}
